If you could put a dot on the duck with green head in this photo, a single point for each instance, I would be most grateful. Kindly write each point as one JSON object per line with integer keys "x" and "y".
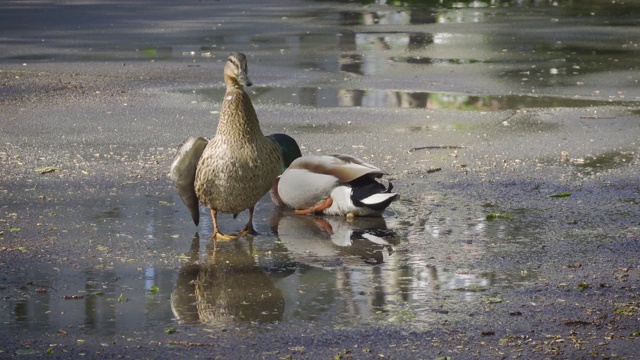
{"x": 329, "y": 184}
{"x": 232, "y": 171}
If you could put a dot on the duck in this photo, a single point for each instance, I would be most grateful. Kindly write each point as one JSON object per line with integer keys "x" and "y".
{"x": 232, "y": 171}
{"x": 336, "y": 184}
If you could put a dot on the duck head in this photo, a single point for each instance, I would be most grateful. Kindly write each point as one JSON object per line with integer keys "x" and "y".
{"x": 288, "y": 146}
{"x": 236, "y": 74}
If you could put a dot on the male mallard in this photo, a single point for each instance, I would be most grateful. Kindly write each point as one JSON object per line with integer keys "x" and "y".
{"x": 331, "y": 184}
{"x": 232, "y": 171}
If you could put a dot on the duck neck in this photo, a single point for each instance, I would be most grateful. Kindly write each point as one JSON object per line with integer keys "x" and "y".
{"x": 232, "y": 82}
{"x": 238, "y": 118}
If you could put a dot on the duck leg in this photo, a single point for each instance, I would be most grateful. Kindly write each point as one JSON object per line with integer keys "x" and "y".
{"x": 316, "y": 209}
{"x": 248, "y": 229}
{"x": 217, "y": 235}
{"x": 323, "y": 225}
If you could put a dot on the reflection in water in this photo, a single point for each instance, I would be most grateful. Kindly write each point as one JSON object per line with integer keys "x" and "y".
{"x": 332, "y": 281}
{"x": 447, "y": 236}
{"x": 227, "y": 287}
{"x": 402, "y": 33}
{"x": 326, "y": 241}
{"x": 414, "y": 39}
{"x": 303, "y": 275}
{"x": 359, "y": 51}
{"x": 323, "y": 269}
{"x": 344, "y": 97}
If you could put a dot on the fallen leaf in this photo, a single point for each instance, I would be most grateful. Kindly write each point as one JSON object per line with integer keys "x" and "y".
{"x": 494, "y": 216}
{"x": 46, "y": 169}
{"x": 582, "y": 286}
{"x": 577, "y": 322}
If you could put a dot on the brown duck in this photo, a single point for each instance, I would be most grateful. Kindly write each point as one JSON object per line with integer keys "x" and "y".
{"x": 232, "y": 171}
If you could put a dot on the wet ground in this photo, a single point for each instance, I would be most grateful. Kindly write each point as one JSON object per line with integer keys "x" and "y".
{"x": 509, "y": 128}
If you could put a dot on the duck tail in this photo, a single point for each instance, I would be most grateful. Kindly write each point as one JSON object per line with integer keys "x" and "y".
{"x": 183, "y": 173}
{"x": 374, "y": 195}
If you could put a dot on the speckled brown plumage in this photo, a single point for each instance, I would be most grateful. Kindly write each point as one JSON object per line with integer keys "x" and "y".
{"x": 239, "y": 165}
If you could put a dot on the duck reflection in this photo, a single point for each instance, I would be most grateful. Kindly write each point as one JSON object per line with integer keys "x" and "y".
{"x": 332, "y": 280}
{"x": 236, "y": 283}
{"x": 227, "y": 287}
{"x": 327, "y": 241}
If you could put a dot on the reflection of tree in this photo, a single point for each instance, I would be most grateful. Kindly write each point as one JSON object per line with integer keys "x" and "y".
{"x": 458, "y": 236}
{"x": 407, "y": 99}
{"x": 462, "y": 102}
{"x": 585, "y": 40}
{"x": 98, "y": 313}
{"x": 350, "y": 97}
{"x": 350, "y": 63}
{"x": 348, "y": 60}
{"x": 229, "y": 286}
{"x": 352, "y": 44}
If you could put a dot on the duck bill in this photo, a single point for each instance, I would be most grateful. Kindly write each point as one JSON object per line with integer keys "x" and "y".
{"x": 243, "y": 79}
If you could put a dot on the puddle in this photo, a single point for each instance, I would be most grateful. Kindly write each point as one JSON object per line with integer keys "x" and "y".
{"x": 415, "y": 39}
{"x": 331, "y": 97}
{"x": 595, "y": 164}
{"x": 301, "y": 268}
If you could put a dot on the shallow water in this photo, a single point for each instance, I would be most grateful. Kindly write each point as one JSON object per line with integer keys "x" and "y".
{"x": 300, "y": 268}
{"x": 418, "y": 264}
{"x": 331, "y": 97}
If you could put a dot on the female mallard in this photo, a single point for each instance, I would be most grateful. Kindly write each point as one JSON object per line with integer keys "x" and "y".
{"x": 232, "y": 171}
{"x": 331, "y": 185}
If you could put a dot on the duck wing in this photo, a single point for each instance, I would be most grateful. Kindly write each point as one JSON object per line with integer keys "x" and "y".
{"x": 344, "y": 168}
{"x": 183, "y": 173}
{"x": 311, "y": 179}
